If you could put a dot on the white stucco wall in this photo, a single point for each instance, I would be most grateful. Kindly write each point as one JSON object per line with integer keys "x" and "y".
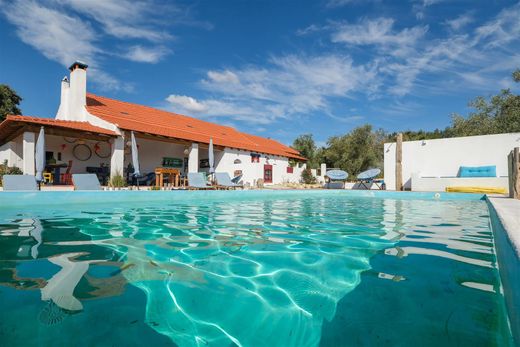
{"x": 12, "y": 152}
{"x": 5, "y": 153}
{"x": 151, "y": 154}
{"x": 443, "y": 157}
{"x": 254, "y": 171}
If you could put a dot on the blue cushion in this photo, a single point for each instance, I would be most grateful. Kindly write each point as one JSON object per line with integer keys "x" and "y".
{"x": 478, "y": 171}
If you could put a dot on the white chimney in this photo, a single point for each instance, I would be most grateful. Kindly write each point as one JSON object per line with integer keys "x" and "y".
{"x": 74, "y": 94}
{"x": 63, "y": 110}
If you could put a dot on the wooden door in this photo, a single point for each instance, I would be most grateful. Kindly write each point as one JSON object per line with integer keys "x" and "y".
{"x": 268, "y": 174}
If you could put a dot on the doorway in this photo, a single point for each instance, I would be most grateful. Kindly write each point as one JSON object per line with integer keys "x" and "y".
{"x": 268, "y": 174}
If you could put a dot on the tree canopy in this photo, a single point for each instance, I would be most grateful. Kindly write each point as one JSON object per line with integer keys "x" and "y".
{"x": 307, "y": 147}
{"x": 9, "y": 101}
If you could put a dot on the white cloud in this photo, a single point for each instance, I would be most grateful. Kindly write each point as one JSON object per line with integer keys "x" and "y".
{"x": 187, "y": 103}
{"x": 395, "y": 62}
{"x": 340, "y": 3}
{"x": 420, "y": 6}
{"x": 143, "y": 54}
{"x": 56, "y": 35}
{"x": 124, "y": 19}
{"x": 286, "y": 88}
{"x": 378, "y": 32}
{"x": 67, "y": 30}
{"x": 460, "y": 22}
{"x": 503, "y": 29}
{"x": 223, "y": 77}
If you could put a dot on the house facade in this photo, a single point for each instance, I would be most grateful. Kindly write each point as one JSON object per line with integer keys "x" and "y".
{"x": 91, "y": 131}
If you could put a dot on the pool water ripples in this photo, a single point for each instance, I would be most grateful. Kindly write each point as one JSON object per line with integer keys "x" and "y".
{"x": 264, "y": 272}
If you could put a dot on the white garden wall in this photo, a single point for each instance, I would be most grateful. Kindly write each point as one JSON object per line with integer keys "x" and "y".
{"x": 443, "y": 157}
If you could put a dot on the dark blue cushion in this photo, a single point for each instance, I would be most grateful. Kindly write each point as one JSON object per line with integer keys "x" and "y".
{"x": 478, "y": 171}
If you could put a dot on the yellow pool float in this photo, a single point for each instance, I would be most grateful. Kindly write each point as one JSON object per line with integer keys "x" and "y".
{"x": 486, "y": 190}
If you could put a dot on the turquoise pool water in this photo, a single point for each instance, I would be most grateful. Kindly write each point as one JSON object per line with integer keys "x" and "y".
{"x": 248, "y": 269}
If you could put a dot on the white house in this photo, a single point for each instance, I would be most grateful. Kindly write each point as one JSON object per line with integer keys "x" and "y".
{"x": 91, "y": 131}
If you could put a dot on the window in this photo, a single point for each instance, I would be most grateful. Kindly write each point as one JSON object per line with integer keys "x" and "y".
{"x": 255, "y": 158}
{"x": 290, "y": 169}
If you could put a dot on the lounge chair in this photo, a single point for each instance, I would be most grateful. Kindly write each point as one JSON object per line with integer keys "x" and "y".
{"x": 196, "y": 180}
{"x": 336, "y": 179}
{"x": 367, "y": 178}
{"x": 85, "y": 182}
{"x": 19, "y": 182}
{"x": 224, "y": 181}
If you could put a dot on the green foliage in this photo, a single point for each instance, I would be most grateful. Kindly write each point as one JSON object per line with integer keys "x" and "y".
{"x": 307, "y": 147}
{"x": 516, "y": 75}
{"x": 307, "y": 176}
{"x": 117, "y": 181}
{"x": 8, "y": 170}
{"x": 9, "y": 101}
{"x": 356, "y": 151}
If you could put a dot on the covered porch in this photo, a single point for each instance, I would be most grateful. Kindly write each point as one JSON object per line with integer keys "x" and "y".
{"x": 79, "y": 147}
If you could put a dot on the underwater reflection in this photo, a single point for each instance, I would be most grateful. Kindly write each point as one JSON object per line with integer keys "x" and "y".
{"x": 265, "y": 272}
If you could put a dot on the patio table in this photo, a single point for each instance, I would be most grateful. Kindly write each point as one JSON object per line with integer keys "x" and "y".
{"x": 56, "y": 167}
{"x": 174, "y": 176}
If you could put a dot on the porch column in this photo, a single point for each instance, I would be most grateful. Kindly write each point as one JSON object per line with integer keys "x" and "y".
{"x": 28, "y": 153}
{"x": 117, "y": 160}
{"x": 193, "y": 158}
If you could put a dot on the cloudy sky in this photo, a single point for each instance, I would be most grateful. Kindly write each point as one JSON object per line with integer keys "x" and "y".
{"x": 272, "y": 68}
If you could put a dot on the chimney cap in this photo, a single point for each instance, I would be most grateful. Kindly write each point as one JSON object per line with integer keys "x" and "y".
{"x": 78, "y": 64}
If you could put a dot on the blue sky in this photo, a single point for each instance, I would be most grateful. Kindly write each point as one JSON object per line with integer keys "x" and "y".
{"x": 272, "y": 68}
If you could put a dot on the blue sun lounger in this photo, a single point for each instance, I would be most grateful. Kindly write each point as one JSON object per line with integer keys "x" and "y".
{"x": 366, "y": 178}
{"x": 19, "y": 182}
{"x": 197, "y": 180}
{"x": 85, "y": 182}
{"x": 224, "y": 181}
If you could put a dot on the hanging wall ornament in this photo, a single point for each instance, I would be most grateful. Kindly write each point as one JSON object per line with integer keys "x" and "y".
{"x": 82, "y": 152}
{"x": 102, "y": 149}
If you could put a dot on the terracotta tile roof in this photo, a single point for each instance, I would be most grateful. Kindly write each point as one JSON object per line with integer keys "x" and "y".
{"x": 14, "y": 122}
{"x": 128, "y": 116}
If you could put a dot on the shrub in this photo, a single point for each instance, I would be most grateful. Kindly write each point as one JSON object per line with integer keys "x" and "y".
{"x": 307, "y": 176}
{"x": 117, "y": 181}
{"x": 8, "y": 170}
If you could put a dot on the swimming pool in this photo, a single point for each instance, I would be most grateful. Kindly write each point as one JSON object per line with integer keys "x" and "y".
{"x": 250, "y": 268}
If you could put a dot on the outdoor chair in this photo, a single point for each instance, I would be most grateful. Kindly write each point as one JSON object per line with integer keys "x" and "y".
{"x": 367, "y": 178}
{"x": 196, "y": 180}
{"x": 336, "y": 179}
{"x": 19, "y": 182}
{"x": 66, "y": 177}
{"x": 85, "y": 182}
{"x": 224, "y": 181}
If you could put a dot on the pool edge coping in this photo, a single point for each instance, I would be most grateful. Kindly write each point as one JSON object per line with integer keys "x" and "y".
{"x": 505, "y": 225}
{"x": 505, "y": 209}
